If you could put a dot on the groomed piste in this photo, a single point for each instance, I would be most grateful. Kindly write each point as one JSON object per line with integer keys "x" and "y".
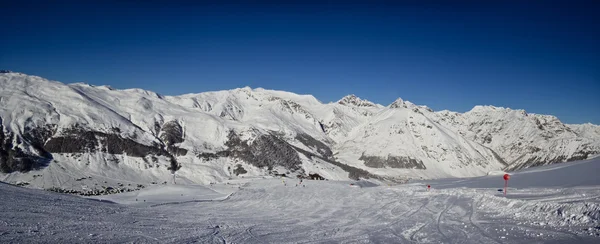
{"x": 550, "y": 204}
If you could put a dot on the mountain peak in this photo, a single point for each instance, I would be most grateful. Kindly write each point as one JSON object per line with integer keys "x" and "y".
{"x": 399, "y": 103}
{"x": 487, "y": 108}
{"x": 355, "y": 101}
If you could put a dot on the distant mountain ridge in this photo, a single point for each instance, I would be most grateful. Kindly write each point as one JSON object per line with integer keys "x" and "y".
{"x": 83, "y": 137}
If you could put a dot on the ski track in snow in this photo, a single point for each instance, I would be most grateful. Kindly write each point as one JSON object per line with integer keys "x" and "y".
{"x": 477, "y": 226}
{"x": 265, "y": 211}
{"x": 257, "y": 210}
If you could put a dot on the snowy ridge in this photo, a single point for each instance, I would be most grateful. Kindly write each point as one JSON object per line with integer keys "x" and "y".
{"x": 92, "y": 138}
{"x": 586, "y": 130}
{"x": 353, "y": 100}
{"x": 523, "y": 140}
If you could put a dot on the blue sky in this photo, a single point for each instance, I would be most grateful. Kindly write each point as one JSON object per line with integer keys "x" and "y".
{"x": 541, "y": 56}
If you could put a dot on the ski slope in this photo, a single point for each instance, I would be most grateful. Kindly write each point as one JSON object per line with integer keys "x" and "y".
{"x": 575, "y": 174}
{"x": 563, "y": 209}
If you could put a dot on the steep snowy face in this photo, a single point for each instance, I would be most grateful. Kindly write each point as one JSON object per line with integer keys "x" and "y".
{"x": 587, "y": 130}
{"x": 43, "y": 119}
{"x": 403, "y": 141}
{"x": 399, "y": 103}
{"x": 71, "y": 133}
{"x": 339, "y": 120}
{"x": 523, "y": 140}
{"x": 285, "y": 113}
{"x": 75, "y": 134}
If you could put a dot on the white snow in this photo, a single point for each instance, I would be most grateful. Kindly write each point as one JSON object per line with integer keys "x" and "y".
{"x": 449, "y": 144}
{"x": 562, "y": 208}
{"x": 558, "y": 203}
{"x": 168, "y": 194}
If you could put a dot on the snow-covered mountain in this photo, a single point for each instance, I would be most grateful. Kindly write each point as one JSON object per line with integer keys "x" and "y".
{"x": 586, "y": 130}
{"x": 523, "y": 140}
{"x": 90, "y": 138}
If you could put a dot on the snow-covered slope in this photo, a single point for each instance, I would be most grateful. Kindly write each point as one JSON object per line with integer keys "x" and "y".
{"x": 523, "y": 140}
{"x": 563, "y": 209}
{"x": 96, "y": 139}
{"x": 586, "y": 130}
{"x": 406, "y": 141}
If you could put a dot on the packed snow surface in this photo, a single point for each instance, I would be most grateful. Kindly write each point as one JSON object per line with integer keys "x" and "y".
{"x": 552, "y": 204}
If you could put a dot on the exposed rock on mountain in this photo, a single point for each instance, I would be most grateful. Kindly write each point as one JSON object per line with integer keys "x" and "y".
{"x": 75, "y": 136}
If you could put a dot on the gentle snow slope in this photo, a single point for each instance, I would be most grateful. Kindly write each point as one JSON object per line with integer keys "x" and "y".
{"x": 581, "y": 173}
{"x": 266, "y": 211}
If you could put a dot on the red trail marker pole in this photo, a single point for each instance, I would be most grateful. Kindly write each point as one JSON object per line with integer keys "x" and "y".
{"x": 506, "y": 178}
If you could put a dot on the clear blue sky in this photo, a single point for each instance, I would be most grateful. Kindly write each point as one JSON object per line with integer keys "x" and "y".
{"x": 543, "y": 57}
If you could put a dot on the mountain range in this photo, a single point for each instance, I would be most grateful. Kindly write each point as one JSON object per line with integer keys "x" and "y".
{"x": 83, "y": 138}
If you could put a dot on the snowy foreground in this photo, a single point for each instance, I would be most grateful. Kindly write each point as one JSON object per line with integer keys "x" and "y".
{"x": 553, "y": 204}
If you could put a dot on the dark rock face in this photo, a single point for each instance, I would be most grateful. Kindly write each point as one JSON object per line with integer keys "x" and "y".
{"x": 315, "y": 177}
{"x": 13, "y": 159}
{"x": 313, "y": 143}
{"x": 96, "y": 192}
{"x": 266, "y": 151}
{"x": 239, "y": 170}
{"x": 37, "y": 136}
{"x": 401, "y": 162}
{"x": 353, "y": 172}
{"x": 398, "y": 104}
{"x": 79, "y": 140}
{"x": 356, "y": 101}
{"x": 171, "y": 134}
{"x": 582, "y": 155}
{"x": 536, "y": 161}
{"x": 322, "y": 127}
{"x": 209, "y": 156}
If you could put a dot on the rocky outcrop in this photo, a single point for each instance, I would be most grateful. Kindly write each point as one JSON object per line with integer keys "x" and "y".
{"x": 104, "y": 124}
{"x": 13, "y": 158}
{"x": 522, "y": 139}
{"x": 542, "y": 159}
{"x": 266, "y": 151}
{"x": 171, "y": 134}
{"x": 78, "y": 139}
{"x": 353, "y": 100}
{"x": 239, "y": 170}
{"x": 314, "y": 144}
{"x": 398, "y": 162}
